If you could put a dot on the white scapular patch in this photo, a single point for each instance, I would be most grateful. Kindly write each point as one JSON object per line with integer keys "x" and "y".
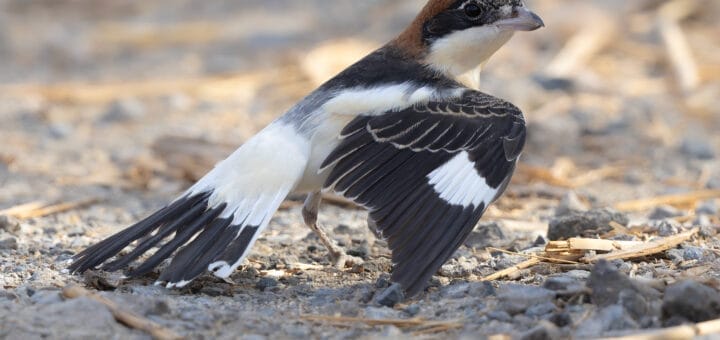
{"x": 458, "y": 183}
{"x": 381, "y": 99}
{"x": 461, "y": 51}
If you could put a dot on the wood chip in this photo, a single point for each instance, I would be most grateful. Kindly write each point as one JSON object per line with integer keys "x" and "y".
{"x": 645, "y": 249}
{"x": 707, "y": 328}
{"x": 422, "y": 324}
{"x": 129, "y": 319}
{"x": 511, "y": 270}
{"x": 39, "y": 209}
{"x": 682, "y": 200}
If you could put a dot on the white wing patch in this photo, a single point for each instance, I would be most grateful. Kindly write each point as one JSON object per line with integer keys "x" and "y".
{"x": 458, "y": 183}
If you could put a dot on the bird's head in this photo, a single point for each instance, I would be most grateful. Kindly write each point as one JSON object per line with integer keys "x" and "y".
{"x": 456, "y": 36}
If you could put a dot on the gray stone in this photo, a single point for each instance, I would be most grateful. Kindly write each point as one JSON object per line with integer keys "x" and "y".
{"x": 570, "y": 203}
{"x": 564, "y": 283}
{"x": 380, "y": 313}
{"x": 266, "y": 282}
{"x": 46, "y": 297}
{"x": 543, "y": 331}
{"x": 9, "y": 224}
{"x": 10, "y": 243}
{"x": 516, "y": 298}
{"x": 487, "y": 234}
{"x": 690, "y": 301}
{"x": 663, "y": 212}
{"x": 541, "y": 309}
{"x": 693, "y": 253}
{"x": 500, "y": 315}
{"x": 391, "y": 296}
{"x": 697, "y": 147}
{"x": 707, "y": 208}
{"x": 666, "y": 227}
{"x": 412, "y": 310}
{"x": 585, "y": 224}
{"x": 124, "y": 110}
{"x": 610, "y": 318}
{"x": 611, "y": 287}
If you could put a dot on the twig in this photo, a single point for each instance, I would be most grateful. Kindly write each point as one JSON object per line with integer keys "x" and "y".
{"x": 400, "y": 323}
{"x": 582, "y": 47}
{"x": 127, "y": 318}
{"x": 37, "y": 209}
{"x": 679, "y": 199}
{"x": 533, "y": 256}
{"x": 711, "y": 327}
{"x": 645, "y": 249}
{"x": 511, "y": 270}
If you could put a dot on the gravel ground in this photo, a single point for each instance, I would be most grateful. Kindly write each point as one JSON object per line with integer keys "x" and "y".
{"x": 88, "y": 88}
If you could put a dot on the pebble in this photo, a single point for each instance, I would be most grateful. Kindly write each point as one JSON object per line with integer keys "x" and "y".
{"x": 666, "y": 228}
{"x": 610, "y": 318}
{"x": 391, "y": 296}
{"x": 570, "y": 203}
{"x": 412, "y": 310}
{"x": 707, "y": 208}
{"x": 9, "y": 224}
{"x": 266, "y": 282}
{"x": 697, "y": 147}
{"x": 380, "y": 313}
{"x": 690, "y": 301}
{"x": 563, "y": 283}
{"x": 10, "y": 243}
{"x": 664, "y": 212}
{"x": 123, "y": 110}
{"x": 487, "y": 234}
{"x": 541, "y": 309}
{"x": 544, "y": 330}
{"x": 46, "y": 297}
{"x": 585, "y": 224}
{"x": 516, "y": 298}
{"x": 610, "y": 287}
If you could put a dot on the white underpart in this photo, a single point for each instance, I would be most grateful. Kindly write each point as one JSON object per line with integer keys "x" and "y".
{"x": 254, "y": 181}
{"x": 461, "y": 51}
{"x": 458, "y": 183}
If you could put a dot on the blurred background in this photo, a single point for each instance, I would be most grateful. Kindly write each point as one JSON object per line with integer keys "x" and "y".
{"x": 98, "y": 97}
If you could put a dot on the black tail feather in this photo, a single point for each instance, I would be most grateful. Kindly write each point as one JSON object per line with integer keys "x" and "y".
{"x": 95, "y": 255}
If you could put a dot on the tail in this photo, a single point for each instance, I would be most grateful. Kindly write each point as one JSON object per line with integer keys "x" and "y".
{"x": 215, "y": 223}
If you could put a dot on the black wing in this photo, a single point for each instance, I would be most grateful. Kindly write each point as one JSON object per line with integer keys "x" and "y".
{"x": 427, "y": 174}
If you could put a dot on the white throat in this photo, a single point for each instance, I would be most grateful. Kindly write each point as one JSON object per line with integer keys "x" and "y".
{"x": 462, "y": 52}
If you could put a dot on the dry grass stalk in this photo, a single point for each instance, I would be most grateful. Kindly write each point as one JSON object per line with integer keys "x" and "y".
{"x": 512, "y": 270}
{"x": 39, "y": 209}
{"x": 681, "y": 200}
{"x": 707, "y": 328}
{"x": 127, "y": 318}
{"x": 645, "y": 249}
{"x": 582, "y": 245}
{"x": 425, "y": 325}
{"x": 582, "y": 47}
{"x": 676, "y": 44}
{"x": 534, "y": 256}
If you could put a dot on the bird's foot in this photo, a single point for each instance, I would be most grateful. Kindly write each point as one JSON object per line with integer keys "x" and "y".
{"x": 342, "y": 260}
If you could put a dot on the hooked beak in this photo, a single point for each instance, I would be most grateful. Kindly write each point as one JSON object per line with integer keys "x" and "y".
{"x": 522, "y": 20}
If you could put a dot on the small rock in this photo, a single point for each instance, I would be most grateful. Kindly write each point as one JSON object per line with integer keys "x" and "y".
{"x": 412, "y": 310}
{"x": 585, "y": 224}
{"x": 543, "y": 331}
{"x": 266, "y": 282}
{"x": 561, "y": 319}
{"x": 563, "y": 283}
{"x": 540, "y": 310}
{"x": 10, "y": 243}
{"x": 554, "y": 83}
{"x": 693, "y": 253}
{"x": 690, "y": 301}
{"x": 666, "y": 228}
{"x": 481, "y": 289}
{"x": 46, "y": 297}
{"x": 610, "y": 318}
{"x": 342, "y": 229}
{"x": 60, "y": 130}
{"x": 9, "y": 224}
{"x": 516, "y": 298}
{"x": 500, "y": 315}
{"x": 703, "y": 221}
{"x": 486, "y": 235}
{"x": 380, "y": 313}
{"x": 570, "y": 203}
{"x": 610, "y": 287}
{"x": 124, "y": 110}
{"x": 664, "y": 212}
{"x": 391, "y": 296}
{"x": 455, "y": 291}
{"x": 707, "y": 208}
{"x": 697, "y": 147}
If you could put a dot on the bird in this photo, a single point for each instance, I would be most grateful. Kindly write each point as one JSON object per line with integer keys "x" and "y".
{"x": 399, "y": 133}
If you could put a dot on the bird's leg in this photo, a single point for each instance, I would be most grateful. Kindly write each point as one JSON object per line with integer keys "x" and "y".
{"x": 310, "y": 215}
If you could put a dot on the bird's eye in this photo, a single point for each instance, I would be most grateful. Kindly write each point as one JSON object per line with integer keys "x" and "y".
{"x": 473, "y": 10}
